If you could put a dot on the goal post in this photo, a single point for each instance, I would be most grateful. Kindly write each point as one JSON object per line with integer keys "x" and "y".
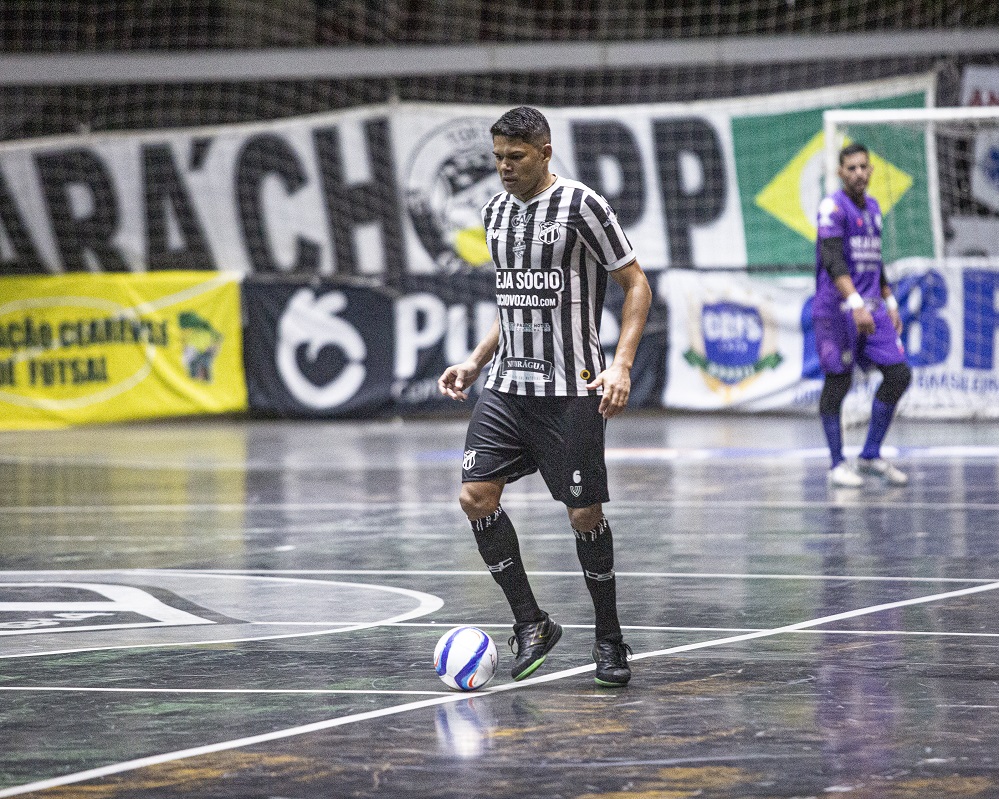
{"x": 951, "y": 151}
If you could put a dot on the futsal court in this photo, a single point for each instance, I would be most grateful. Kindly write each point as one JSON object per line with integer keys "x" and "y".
{"x": 249, "y": 608}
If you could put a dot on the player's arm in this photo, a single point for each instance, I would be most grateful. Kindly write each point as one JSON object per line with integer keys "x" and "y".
{"x": 834, "y": 262}
{"x": 616, "y": 378}
{"x": 456, "y": 379}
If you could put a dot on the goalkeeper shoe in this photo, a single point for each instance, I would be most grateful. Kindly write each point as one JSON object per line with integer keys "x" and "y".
{"x": 881, "y": 468}
{"x": 534, "y": 641}
{"x": 842, "y": 476}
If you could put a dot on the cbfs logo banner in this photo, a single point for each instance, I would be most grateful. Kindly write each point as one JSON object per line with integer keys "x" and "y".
{"x": 100, "y": 348}
{"x": 735, "y": 341}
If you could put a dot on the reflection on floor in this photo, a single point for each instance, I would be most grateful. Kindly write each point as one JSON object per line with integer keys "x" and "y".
{"x": 249, "y": 608}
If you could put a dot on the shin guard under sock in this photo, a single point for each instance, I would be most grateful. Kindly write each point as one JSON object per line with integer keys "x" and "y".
{"x": 595, "y": 550}
{"x": 498, "y": 546}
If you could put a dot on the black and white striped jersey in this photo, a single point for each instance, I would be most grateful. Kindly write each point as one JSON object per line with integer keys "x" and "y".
{"x": 552, "y": 255}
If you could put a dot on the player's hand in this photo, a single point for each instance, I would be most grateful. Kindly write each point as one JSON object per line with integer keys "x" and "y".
{"x": 864, "y": 321}
{"x": 456, "y": 380}
{"x": 616, "y": 382}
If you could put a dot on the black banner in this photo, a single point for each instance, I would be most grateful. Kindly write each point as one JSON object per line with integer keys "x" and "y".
{"x": 329, "y": 350}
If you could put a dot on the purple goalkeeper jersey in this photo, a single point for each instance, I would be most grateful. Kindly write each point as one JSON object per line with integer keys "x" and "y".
{"x": 860, "y": 229}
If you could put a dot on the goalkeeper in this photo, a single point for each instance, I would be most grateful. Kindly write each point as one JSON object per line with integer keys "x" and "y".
{"x": 856, "y": 319}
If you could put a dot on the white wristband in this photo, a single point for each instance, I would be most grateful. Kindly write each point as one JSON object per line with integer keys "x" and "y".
{"x": 891, "y": 303}
{"x": 855, "y": 301}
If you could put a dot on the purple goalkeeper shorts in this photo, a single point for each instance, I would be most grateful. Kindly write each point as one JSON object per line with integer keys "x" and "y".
{"x": 840, "y": 346}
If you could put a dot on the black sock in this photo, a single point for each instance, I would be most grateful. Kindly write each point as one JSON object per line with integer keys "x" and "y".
{"x": 497, "y": 542}
{"x": 595, "y": 549}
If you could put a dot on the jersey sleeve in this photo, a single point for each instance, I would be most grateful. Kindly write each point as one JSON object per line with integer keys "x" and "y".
{"x": 831, "y": 220}
{"x": 602, "y": 234}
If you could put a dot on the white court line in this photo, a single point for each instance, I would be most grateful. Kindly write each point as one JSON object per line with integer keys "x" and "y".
{"x": 426, "y": 604}
{"x": 267, "y": 573}
{"x": 182, "y": 754}
{"x": 656, "y": 575}
{"x": 860, "y": 501}
{"x": 72, "y": 689}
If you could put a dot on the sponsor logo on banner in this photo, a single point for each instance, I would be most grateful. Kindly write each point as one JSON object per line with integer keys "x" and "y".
{"x": 308, "y": 327}
{"x": 729, "y": 347}
{"x": 201, "y": 344}
{"x": 85, "y": 348}
{"x": 451, "y": 175}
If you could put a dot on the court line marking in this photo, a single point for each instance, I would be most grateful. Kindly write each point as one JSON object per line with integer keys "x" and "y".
{"x": 290, "y": 732}
{"x": 856, "y": 499}
{"x": 680, "y": 575}
{"x": 267, "y": 691}
{"x": 426, "y": 604}
{"x": 622, "y": 454}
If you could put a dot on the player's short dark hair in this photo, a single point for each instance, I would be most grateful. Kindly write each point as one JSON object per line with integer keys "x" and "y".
{"x": 524, "y": 123}
{"x": 853, "y": 149}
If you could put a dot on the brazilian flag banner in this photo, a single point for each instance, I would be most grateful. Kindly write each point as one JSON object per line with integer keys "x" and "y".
{"x": 780, "y": 158}
{"x": 83, "y": 348}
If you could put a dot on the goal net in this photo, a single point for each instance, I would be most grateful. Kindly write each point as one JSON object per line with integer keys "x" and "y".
{"x": 958, "y": 152}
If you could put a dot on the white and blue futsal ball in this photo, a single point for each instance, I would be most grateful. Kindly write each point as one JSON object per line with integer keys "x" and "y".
{"x": 465, "y": 658}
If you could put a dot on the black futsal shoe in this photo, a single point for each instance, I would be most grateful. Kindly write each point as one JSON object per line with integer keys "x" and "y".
{"x": 535, "y": 640}
{"x": 611, "y": 656}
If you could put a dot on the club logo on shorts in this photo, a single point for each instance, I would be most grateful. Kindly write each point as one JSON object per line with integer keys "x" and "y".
{"x": 576, "y": 489}
{"x": 469, "y": 460}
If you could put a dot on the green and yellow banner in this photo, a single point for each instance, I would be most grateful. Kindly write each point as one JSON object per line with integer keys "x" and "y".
{"x": 82, "y": 348}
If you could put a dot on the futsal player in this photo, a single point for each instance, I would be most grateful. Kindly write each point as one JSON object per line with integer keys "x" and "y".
{"x": 856, "y": 319}
{"x": 548, "y": 391}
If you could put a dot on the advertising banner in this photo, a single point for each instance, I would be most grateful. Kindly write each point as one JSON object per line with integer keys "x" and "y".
{"x": 387, "y": 192}
{"x": 327, "y": 350}
{"x": 743, "y": 341}
{"x": 736, "y": 341}
{"x": 103, "y": 348}
{"x": 950, "y": 317}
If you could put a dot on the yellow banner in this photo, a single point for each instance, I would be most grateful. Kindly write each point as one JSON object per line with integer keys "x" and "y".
{"x": 81, "y": 348}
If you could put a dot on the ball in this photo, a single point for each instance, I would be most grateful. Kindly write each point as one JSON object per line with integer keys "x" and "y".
{"x": 465, "y": 658}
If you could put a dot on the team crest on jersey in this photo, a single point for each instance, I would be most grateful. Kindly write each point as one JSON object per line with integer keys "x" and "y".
{"x": 735, "y": 343}
{"x": 548, "y": 232}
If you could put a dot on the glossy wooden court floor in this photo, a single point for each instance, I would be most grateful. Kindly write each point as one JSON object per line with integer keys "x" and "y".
{"x": 238, "y": 608}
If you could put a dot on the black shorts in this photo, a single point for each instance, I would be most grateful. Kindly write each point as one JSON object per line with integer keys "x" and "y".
{"x": 510, "y": 436}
